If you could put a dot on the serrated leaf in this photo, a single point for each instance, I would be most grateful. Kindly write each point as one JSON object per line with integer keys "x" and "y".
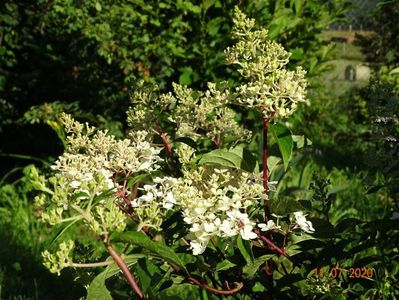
{"x": 155, "y": 249}
{"x": 283, "y": 136}
{"x": 234, "y": 158}
{"x": 251, "y": 268}
{"x": 224, "y": 265}
{"x": 221, "y": 157}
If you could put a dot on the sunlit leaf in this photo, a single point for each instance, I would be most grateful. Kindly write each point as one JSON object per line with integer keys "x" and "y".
{"x": 156, "y": 249}
{"x": 282, "y": 135}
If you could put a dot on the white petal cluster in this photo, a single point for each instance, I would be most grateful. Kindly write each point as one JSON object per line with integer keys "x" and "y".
{"x": 300, "y": 219}
{"x": 270, "y": 225}
{"x": 96, "y": 157}
{"x": 155, "y": 201}
{"x": 213, "y": 203}
{"x": 160, "y": 192}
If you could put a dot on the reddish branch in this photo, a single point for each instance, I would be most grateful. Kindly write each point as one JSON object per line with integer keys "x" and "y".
{"x": 239, "y": 286}
{"x": 192, "y": 280}
{"x": 265, "y": 177}
{"x": 122, "y": 194}
{"x": 265, "y": 171}
{"x": 272, "y": 245}
{"x": 125, "y": 270}
{"x": 167, "y": 146}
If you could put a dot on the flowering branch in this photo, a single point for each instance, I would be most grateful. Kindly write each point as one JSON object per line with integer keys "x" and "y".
{"x": 125, "y": 270}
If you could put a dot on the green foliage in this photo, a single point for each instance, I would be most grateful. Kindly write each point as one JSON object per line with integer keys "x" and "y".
{"x": 82, "y": 57}
{"x": 154, "y": 248}
{"x": 284, "y": 140}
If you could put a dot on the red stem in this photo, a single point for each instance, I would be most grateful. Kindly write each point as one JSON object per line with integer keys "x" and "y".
{"x": 167, "y": 146}
{"x": 265, "y": 178}
{"x": 239, "y": 285}
{"x": 272, "y": 245}
{"x": 265, "y": 171}
{"x": 125, "y": 270}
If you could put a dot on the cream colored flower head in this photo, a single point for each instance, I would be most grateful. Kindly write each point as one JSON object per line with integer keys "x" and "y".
{"x": 270, "y": 87}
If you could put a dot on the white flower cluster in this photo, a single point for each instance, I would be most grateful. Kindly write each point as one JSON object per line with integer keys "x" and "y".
{"x": 97, "y": 156}
{"x": 271, "y": 88}
{"x": 298, "y": 220}
{"x": 269, "y": 226}
{"x": 214, "y": 201}
{"x": 156, "y": 200}
{"x": 161, "y": 193}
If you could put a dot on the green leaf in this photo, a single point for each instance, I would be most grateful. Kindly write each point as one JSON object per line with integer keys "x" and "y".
{"x": 251, "y": 268}
{"x": 283, "y": 136}
{"x": 155, "y": 249}
{"x": 236, "y": 158}
{"x": 206, "y": 4}
{"x": 394, "y": 72}
{"x": 98, "y": 6}
{"x": 286, "y": 205}
{"x": 301, "y": 141}
{"x": 134, "y": 179}
{"x": 221, "y": 157}
{"x": 224, "y": 265}
{"x": 186, "y": 76}
{"x": 245, "y": 249}
{"x": 149, "y": 275}
{"x": 272, "y": 163}
{"x": 97, "y": 289}
{"x": 297, "y": 53}
{"x": 347, "y": 224}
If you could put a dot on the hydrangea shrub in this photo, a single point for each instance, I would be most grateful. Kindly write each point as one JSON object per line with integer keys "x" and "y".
{"x": 179, "y": 190}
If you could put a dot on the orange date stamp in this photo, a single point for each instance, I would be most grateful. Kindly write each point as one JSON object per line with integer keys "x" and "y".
{"x": 338, "y": 272}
